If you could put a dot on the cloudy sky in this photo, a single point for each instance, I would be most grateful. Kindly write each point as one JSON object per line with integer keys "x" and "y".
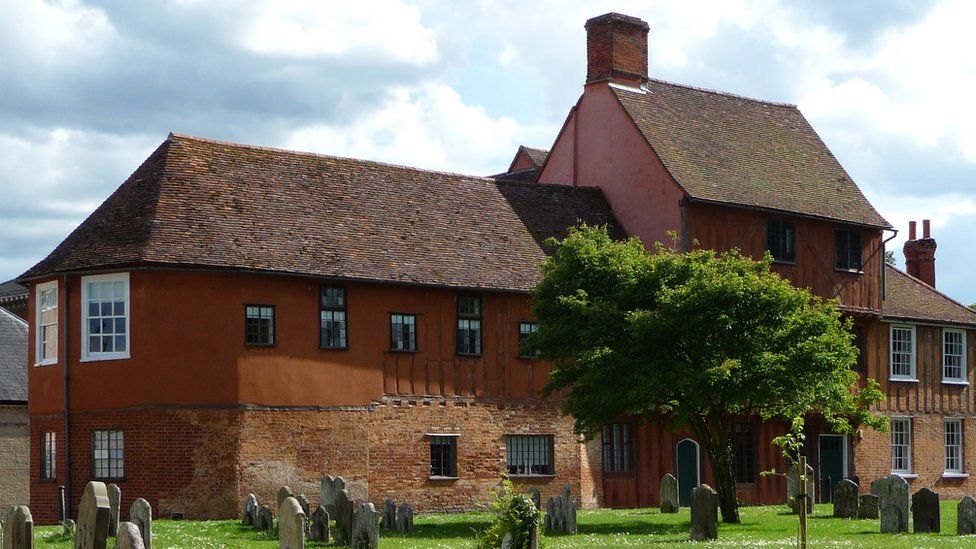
{"x": 89, "y": 88}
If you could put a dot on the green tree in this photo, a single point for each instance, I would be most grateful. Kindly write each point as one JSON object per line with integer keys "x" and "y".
{"x": 890, "y": 257}
{"x": 701, "y": 336}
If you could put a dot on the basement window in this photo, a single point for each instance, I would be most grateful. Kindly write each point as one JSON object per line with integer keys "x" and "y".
{"x": 847, "y": 251}
{"x": 108, "y": 454}
{"x": 105, "y": 317}
{"x": 443, "y": 456}
{"x": 530, "y": 455}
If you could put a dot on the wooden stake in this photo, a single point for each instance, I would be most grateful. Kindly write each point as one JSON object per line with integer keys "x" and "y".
{"x": 802, "y": 497}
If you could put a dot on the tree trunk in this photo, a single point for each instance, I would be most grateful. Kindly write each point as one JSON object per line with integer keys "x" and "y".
{"x": 719, "y": 455}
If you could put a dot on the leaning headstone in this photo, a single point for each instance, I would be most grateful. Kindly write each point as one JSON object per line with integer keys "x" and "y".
{"x": 93, "y": 515}
{"x": 128, "y": 537}
{"x": 893, "y": 492}
{"x": 291, "y": 525}
{"x": 793, "y": 488}
{"x": 330, "y": 488}
{"x": 669, "y": 494}
{"x": 845, "y": 499}
{"x": 250, "y": 510}
{"x": 704, "y": 513}
{"x": 303, "y": 502}
{"x": 114, "y": 500}
{"x": 320, "y": 525}
{"x": 925, "y": 512}
{"x": 365, "y": 527}
{"x": 18, "y": 529}
{"x": 966, "y": 517}
{"x": 536, "y": 496}
{"x": 867, "y": 507}
{"x": 283, "y": 493}
{"x": 389, "y": 515}
{"x": 140, "y": 514}
{"x": 343, "y": 518}
{"x": 265, "y": 519}
{"x": 404, "y": 518}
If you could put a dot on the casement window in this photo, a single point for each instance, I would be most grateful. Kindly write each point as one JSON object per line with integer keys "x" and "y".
{"x": 48, "y": 453}
{"x": 781, "y": 240}
{"x": 334, "y": 325}
{"x": 953, "y": 446}
{"x": 902, "y": 352}
{"x": 618, "y": 453}
{"x": 259, "y": 324}
{"x": 901, "y": 445}
{"x": 108, "y": 454}
{"x": 953, "y": 355}
{"x": 847, "y": 251}
{"x": 403, "y": 332}
{"x": 105, "y": 317}
{"x": 46, "y": 315}
{"x": 443, "y": 456}
{"x": 526, "y": 329}
{"x": 468, "y": 325}
{"x": 530, "y": 454}
{"x": 743, "y": 452}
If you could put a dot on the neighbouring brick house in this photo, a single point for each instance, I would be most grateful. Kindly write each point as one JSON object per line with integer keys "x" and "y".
{"x": 13, "y": 297}
{"x": 234, "y": 318}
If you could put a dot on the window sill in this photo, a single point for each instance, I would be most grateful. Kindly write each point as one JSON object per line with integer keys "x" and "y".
{"x": 405, "y": 351}
{"x": 43, "y": 364}
{"x": 955, "y": 382}
{"x": 784, "y": 262}
{"x": 906, "y": 476}
{"x": 434, "y": 477}
{"x": 530, "y": 477}
{"x": 346, "y": 348}
{"x": 955, "y": 475}
{"x": 849, "y": 271}
{"x": 104, "y": 358}
{"x": 904, "y": 379}
{"x": 470, "y": 355}
{"x": 48, "y": 480}
{"x": 260, "y": 345}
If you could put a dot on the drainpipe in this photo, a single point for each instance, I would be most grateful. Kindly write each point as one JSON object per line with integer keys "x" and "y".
{"x": 67, "y": 399}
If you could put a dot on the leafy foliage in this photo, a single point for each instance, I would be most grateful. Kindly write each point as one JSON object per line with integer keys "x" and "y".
{"x": 513, "y": 512}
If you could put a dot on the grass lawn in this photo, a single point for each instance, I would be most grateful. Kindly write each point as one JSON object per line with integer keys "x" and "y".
{"x": 761, "y": 527}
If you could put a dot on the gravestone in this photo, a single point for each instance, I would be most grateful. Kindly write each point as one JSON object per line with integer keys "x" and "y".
{"x": 669, "y": 494}
{"x": 283, "y": 493}
{"x": 892, "y": 491}
{"x": 561, "y": 513}
{"x": 536, "y": 496}
{"x": 93, "y": 516}
{"x": 389, "y": 515}
{"x": 966, "y": 517}
{"x": 404, "y": 520}
{"x": 291, "y": 524}
{"x": 140, "y": 514}
{"x": 320, "y": 525}
{"x": 250, "y": 510}
{"x": 18, "y": 528}
{"x": 793, "y": 488}
{"x": 845, "y": 499}
{"x": 303, "y": 503}
{"x": 114, "y": 500}
{"x": 365, "y": 527}
{"x": 330, "y": 488}
{"x": 68, "y": 528}
{"x": 127, "y": 537}
{"x": 704, "y": 513}
{"x": 925, "y": 512}
{"x": 265, "y": 519}
{"x": 867, "y": 507}
{"x": 343, "y": 518}
{"x": 891, "y": 519}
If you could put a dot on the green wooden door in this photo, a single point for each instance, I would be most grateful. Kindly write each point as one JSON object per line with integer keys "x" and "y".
{"x": 831, "y": 465}
{"x": 688, "y": 470}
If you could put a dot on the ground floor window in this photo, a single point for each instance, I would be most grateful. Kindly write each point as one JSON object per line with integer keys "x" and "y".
{"x": 743, "y": 452}
{"x": 48, "y": 453}
{"x": 529, "y": 454}
{"x": 901, "y": 445}
{"x": 108, "y": 454}
{"x": 443, "y": 455}
{"x": 953, "y": 446}
{"x": 618, "y": 454}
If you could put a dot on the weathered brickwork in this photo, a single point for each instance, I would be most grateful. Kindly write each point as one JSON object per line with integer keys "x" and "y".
{"x": 14, "y": 456}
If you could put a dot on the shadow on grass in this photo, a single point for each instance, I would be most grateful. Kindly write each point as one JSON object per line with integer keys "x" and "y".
{"x": 460, "y": 529}
{"x": 634, "y": 527}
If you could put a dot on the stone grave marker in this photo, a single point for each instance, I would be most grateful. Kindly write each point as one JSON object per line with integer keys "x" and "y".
{"x": 536, "y": 496}
{"x": 561, "y": 513}
{"x": 250, "y": 510}
{"x": 669, "y": 494}
{"x": 265, "y": 519}
{"x": 867, "y": 507}
{"x": 68, "y": 528}
{"x": 283, "y": 493}
{"x": 925, "y": 512}
{"x": 365, "y": 527}
{"x": 966, "y": 517}
{"x": 320, "y": 525}
{"x": 18, "y": 529}
{"x": 793, "y": 488}
{"x": 303, "y": 502}
{"x": 389, "y": 515}
{"x": 343, "y": 518}
{"x": 140, "y": 514}
{"x": 128, "y": 537}
{"x": 404, "y": 520}
{"x": 704, "y": 513}
{"x": 114, "y": 501}
{"x": 291, "y": 524}
{"x": 892, "y": 491}
{"x": 891, "y": 519}
{"x": 330, "y": 488}
{"x": 93, "y": 516}
{"x": 845, "y": 499}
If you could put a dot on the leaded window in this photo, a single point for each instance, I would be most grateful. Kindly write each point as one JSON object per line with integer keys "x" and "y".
{"x": 403, "y": 332}
{"x": 781, "y": 240}
{"x": 529, "y": 454}
{"x": 108, "y": 454}
{"x": 618, "y": 455}
{"x": 333, "y": 322}
{"x": 847, "y": 251}
{"x": 443, "y": 456}
{"x": 469, "y": 325}
{"x": 525, "y": 330}
{"x": 259, "y": 325}
{"x": 743, "y": 452}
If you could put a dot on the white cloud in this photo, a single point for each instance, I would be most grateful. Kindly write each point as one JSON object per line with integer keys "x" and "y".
{"x": 42, "y": 36}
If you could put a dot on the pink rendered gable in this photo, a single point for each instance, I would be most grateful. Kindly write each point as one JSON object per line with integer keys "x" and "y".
{"x": 599, "y": 146}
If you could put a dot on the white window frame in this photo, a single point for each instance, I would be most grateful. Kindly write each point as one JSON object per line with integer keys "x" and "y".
{"x": 39, "y": 332}
{"x": 952, "y": 471}
{"x": 86, "y": 355}
{"x": 964, "y": 367}
{"x": 913, "y": 373}
{"x": 907, "y": 421}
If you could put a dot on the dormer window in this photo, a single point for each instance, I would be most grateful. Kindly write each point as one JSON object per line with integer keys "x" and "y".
{"x": 781, "y": 240}
{"x": 847, "y": 251}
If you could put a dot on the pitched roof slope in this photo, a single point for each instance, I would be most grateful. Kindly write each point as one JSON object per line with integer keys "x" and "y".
{"x": 13, "y": 358}
{"x": 907, "y": 297}
{"x": 537, "y": 156}
{"x": 725, "y": 148}
{"x": 198, "y": 202}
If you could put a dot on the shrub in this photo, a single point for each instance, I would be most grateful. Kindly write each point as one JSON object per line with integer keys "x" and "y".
{"x": 514, "y": 513}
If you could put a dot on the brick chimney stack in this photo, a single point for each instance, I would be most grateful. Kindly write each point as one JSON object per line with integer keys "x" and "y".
{"x": 920, "y": 253}
{"x": 616, "y": 49}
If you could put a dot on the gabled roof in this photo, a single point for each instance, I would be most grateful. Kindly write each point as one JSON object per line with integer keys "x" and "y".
{"x": 537, "y": 156}
{"x": 908, "y": 298}
{"x": 13, "y": 358}
{"x": 526, "y": 165}
{"x": 730, "y": 149}
{"x": 199, "y": 202}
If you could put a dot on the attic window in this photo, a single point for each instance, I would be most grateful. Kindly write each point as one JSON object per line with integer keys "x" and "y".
{"x": 781, "y": 240}
{"x": 847, "y": 251}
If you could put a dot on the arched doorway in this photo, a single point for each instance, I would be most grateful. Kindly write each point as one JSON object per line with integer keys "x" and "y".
{"x": 689, "y": 470}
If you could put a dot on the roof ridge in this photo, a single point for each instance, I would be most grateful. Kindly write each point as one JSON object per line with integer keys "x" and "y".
{"x": 926, "y": 286}
{"x": 13, "y": 316}
{"x": 726, "y": 94}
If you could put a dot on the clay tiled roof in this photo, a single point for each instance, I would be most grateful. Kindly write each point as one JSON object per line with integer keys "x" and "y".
{"x": 537, "y": 156}
{"x": 13, "y": 358}
{"x": 908, "y": 298}
{"x": 197, "y": 202}
{"x": 729, "y": 149}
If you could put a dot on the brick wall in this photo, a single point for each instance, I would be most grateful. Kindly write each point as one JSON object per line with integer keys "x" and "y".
{"x": 14, "y": 456}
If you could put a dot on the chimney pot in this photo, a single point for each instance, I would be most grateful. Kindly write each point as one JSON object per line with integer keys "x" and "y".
{"x": 616, "y": 49}
{"x": 926, "y": 232}
{"x": 911, "y": 230}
